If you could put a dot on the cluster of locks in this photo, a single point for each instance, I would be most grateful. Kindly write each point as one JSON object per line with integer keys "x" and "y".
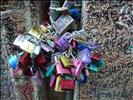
{"x": 57, "y": 52}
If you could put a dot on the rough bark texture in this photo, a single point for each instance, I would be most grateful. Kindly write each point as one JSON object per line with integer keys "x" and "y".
{"x": 101, "y": 21}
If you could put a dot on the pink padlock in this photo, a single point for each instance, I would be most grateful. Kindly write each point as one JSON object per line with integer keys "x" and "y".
{"x": 60, "y": 69}
{"x": 78, "y": 67}
{"x": 52, "y": 82}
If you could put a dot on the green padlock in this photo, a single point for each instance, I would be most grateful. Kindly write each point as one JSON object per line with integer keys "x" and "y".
{"x": 101, "y": 63}
{"x": 93, "y": 67}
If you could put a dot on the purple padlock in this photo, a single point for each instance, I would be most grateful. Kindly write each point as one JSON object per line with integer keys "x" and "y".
{"x": 78, "y": 67}
{"x": 85, "y": 56}
{"x": 62, "y": 44}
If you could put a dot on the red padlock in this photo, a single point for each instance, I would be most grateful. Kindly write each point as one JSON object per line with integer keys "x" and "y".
{"x": 67, "y": 84}
{"x": 96, "y": 56}
{"x": 24, "y": 61}
{"x": 40, "y": 60}
{"x": 73, "y": 43}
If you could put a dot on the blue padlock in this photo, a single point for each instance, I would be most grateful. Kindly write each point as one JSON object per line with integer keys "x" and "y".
{"x": 13, "y": 61}
{"x": 81, "y": 47}
{"x": 75, "y": 14}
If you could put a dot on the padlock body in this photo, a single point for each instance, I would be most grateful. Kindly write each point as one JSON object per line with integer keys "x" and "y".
{"x": 66, "y": 61}
{"x": 67, "y": 84}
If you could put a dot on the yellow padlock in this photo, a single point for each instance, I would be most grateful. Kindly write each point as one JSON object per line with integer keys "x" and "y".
{"x": 66, "y": 61}
{"x": 38, "y": 32}
{"x": 58, "y": 84}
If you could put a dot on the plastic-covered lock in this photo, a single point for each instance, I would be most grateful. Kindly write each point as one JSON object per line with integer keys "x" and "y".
{"x": 62, "y": 23}
{"x": 66, "y": 61}
{"x": 27, "y": 46}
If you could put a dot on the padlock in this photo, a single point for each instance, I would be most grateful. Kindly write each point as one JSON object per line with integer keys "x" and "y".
{"x": 101, "y": 63}
{"x": 27, "y": 46}
{"x": 24, "y": 61}
{"x": 78, "y": 66}
{"x": 22, "y": 42}
{"x": 66, "y": 61}
{"x": 60, "y": 70}
{"x": 93, "y": 67}
{"x": 46, "y": 47}
{"x": 67, "y": 84}
{"x": 19, "y": 40}
{"x": 75, "y": 14}
{"x": 52, "y": 81}
{"x": 62, "y": 23}
{"x": 13, "y": 61}
{"x": 36, "y": 31}
{"x": 62, "y": 44}
{"x": 85, "y": 56}
{"x": 96, "y": 56}
{"x": 40, "y": 60}
{"x": 37, "y": 50}
{"x": 81, "y": 46}
{"x": 58, "y": 84}
{"x": 73, "y": 43}
{"x": 50, "y": 70}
